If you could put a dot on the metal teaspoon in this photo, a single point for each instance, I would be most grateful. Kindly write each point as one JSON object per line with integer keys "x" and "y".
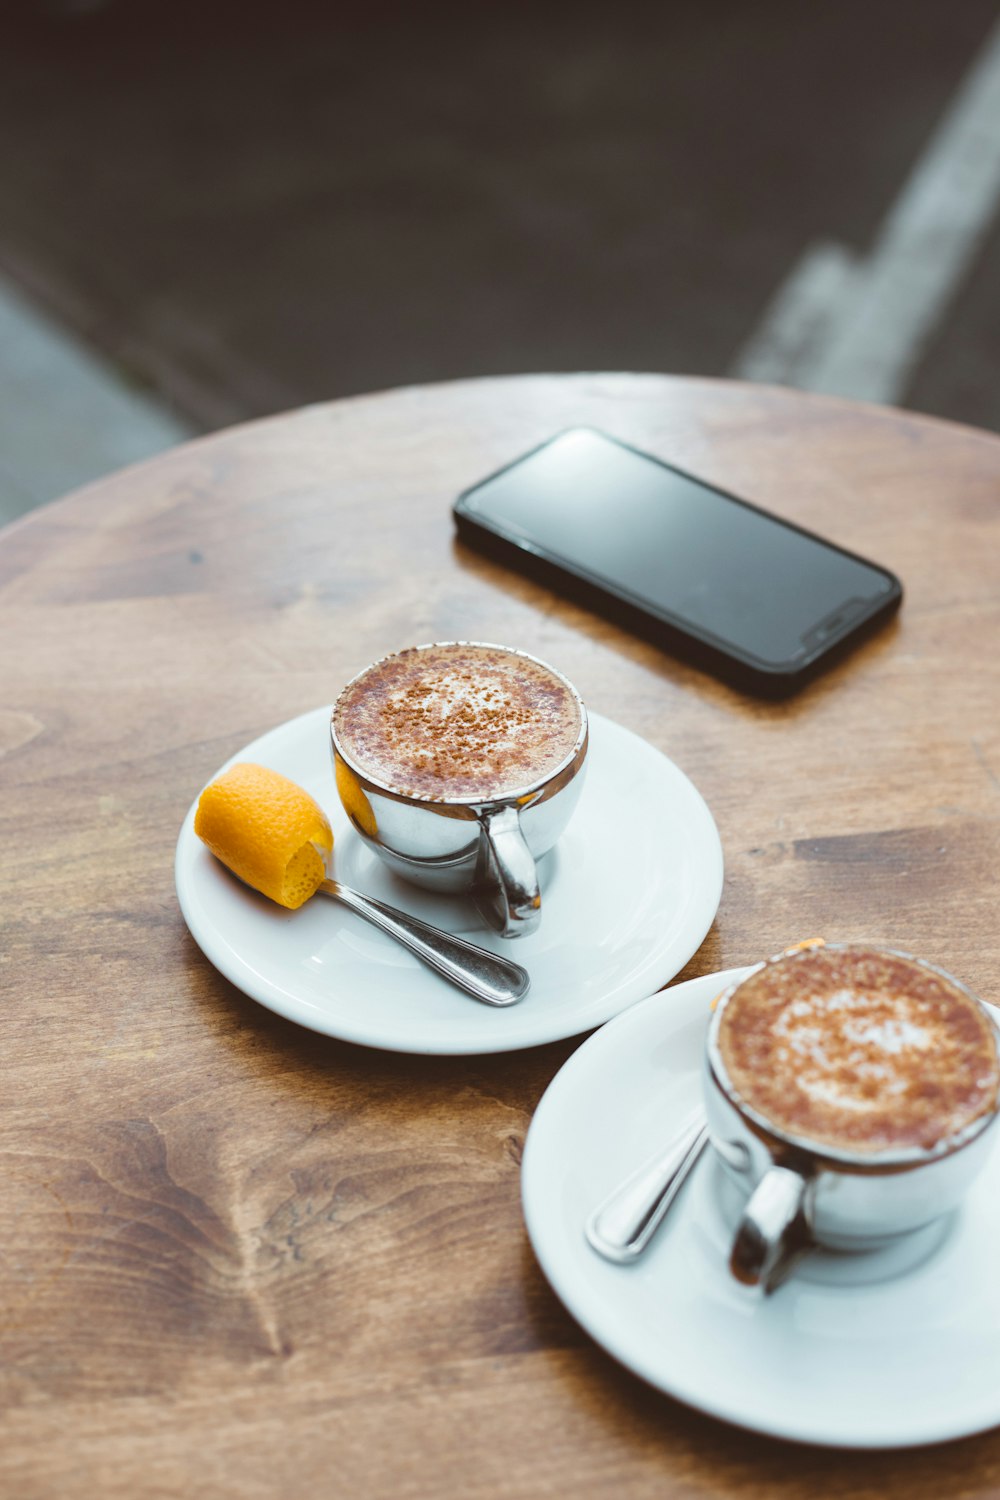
{"x": 482, "y": 974}
{"x": 622, "y": 1227}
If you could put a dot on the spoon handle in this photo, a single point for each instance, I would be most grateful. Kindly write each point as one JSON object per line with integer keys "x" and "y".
{"x": 626, "y": 1221}
{"x": 482, "y": 974}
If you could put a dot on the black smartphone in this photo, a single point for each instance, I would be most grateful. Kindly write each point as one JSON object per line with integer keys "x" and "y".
{"x": 705, "y": 574}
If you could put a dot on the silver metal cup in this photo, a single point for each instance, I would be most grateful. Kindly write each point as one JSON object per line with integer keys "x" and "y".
{"x": 487, "y": 850}
{"x": 800, "y": 1194}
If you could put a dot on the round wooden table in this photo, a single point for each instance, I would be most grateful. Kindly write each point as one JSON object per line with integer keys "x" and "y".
{"x": 240, "y": 1258}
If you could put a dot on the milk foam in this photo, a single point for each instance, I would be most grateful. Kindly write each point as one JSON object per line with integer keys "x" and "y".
{"x": 858, "y": 1049}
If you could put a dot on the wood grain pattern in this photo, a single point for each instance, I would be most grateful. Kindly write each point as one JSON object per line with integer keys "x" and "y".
{"x": 240, "y": 1259}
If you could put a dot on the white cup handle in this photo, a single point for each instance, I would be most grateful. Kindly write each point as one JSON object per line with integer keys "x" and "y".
{"x": 772, "y": 1233}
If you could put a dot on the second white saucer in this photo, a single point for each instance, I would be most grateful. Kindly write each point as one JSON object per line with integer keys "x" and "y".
{"x": 889, "y": 1349}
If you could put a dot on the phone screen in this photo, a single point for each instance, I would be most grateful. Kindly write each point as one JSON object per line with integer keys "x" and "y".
{"x": 737, "y": 576}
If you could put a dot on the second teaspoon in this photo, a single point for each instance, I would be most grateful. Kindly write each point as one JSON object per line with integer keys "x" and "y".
{"x": 622, "y": 1227}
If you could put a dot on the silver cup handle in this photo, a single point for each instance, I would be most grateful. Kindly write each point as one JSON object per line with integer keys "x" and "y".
{"x": 773, "y": 1232}
{"x": 506, "y": 879}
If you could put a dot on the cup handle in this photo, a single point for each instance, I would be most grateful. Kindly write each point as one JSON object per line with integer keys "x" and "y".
{"x": 507, "y": 879}
{"x": 772, "y": 1233}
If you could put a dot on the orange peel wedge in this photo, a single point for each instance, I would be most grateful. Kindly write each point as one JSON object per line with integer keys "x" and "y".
{"x": 267, "y": 830}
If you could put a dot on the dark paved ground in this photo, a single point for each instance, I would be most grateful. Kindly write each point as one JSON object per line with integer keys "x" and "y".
{"x": 255, "y": 206}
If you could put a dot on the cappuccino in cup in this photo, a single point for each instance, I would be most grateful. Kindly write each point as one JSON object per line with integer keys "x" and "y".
{"x": 860, "y": 1051}
{"x": 849, "y": 1091}
{"x": 459, "y": 764}
{"x": 459, "y": 722}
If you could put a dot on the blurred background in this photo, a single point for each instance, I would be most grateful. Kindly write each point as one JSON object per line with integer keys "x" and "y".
{"x": 213, "y": 211}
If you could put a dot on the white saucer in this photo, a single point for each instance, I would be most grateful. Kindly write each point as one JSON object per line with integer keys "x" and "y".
{"x": 892, "y": 1349}
{"x": 627, "y": 897}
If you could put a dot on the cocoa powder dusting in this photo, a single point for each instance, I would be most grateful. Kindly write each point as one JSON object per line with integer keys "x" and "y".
{"x": 860, "y": 1050}
{"x": 458, "y": 722}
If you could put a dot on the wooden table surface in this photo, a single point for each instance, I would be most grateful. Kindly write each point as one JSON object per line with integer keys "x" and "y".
{"x": 238, "y": 1258}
